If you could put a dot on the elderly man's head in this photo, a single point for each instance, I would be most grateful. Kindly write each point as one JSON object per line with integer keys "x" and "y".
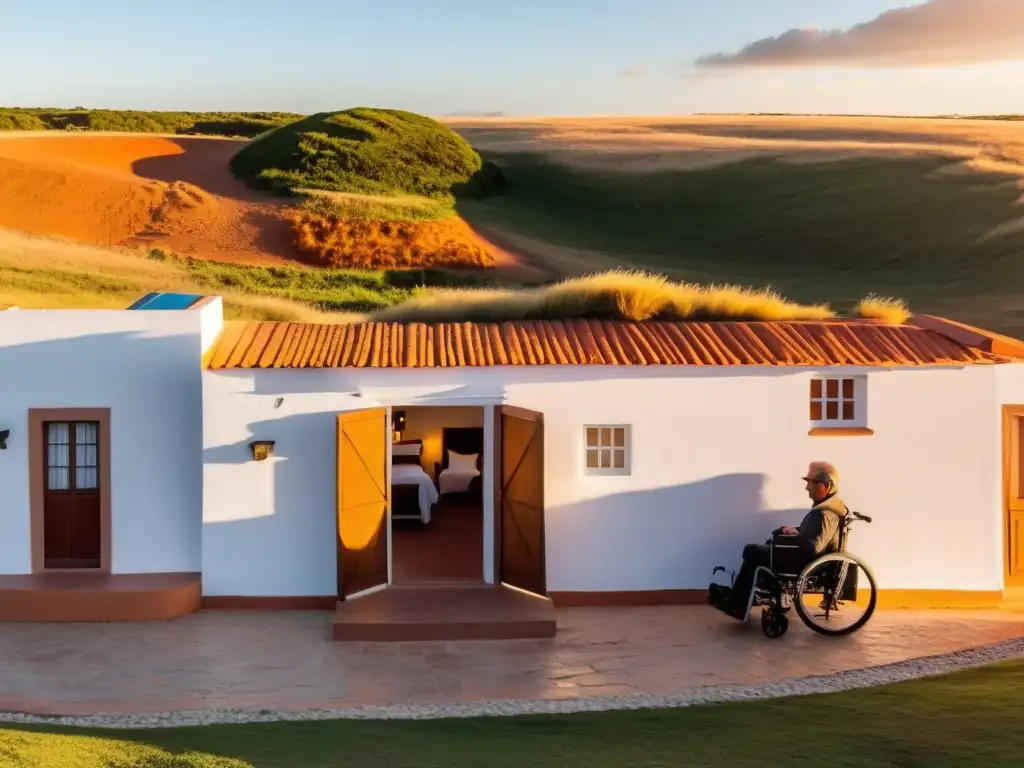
{"x": 822, "y": 480}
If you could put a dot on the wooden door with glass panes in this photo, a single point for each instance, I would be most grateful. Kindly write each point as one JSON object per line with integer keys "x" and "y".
{"x": 71, "y": 495}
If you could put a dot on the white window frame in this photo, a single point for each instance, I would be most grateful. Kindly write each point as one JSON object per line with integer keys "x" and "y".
{"x": 859, "y": 400}
{"x": 626, "y": 449}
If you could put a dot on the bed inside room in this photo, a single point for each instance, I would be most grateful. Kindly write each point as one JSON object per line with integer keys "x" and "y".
{"x": 437, "y": 494}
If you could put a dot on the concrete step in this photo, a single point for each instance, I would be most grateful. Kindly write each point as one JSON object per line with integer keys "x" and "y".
{"x": 444, "y": 612}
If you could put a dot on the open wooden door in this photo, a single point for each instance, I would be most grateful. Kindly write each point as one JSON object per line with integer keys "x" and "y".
{"x": 520, "y": 499}
{"x": 363, "y": 501}
{"x": 1013, "y": 480}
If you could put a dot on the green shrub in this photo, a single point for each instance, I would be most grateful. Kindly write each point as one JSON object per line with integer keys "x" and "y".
{"x": 381, "y": 152}
{"x": 17, "y": 120}
{"x": 245, "y": 124}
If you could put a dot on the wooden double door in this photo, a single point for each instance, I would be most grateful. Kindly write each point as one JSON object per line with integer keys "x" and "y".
{"x": 72, "y": 523}
{"x": 364, "y": 498}
{"x": 1013, "y": 496}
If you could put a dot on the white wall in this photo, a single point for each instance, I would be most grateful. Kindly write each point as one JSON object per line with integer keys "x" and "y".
{"x": 145, "y": 367}
{"x": 269, "y": 527}
{"x": 211, "y": 321}
{"x": 717, "y": 461}
{"x": 717, "y": 458}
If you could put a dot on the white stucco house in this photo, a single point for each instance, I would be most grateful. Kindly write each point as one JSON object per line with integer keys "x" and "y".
{"x": 160, "y": 459}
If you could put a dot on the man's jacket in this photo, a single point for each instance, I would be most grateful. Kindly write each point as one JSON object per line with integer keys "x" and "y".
{"x": 819, "y": 530}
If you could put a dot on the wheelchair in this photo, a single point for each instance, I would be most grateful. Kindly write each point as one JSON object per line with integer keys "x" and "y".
{"x": 824, "y": 592}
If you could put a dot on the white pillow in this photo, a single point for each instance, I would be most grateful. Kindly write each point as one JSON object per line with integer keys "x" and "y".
{"x": 406, "y": 449}
{"x": 462, "y": 463}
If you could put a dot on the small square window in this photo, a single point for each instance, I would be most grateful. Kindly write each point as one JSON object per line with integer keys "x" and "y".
{"x": 838, "y": 401}
{"x": 607, "y": 449}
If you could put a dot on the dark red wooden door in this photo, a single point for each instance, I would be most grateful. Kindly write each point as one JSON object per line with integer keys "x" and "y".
{"x": 521, "y": 499}
{"x": 71, "y": 498}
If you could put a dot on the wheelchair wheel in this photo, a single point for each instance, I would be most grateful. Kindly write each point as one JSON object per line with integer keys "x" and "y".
{"x": 773, "y": 625}
{"x": 836, "y": 594}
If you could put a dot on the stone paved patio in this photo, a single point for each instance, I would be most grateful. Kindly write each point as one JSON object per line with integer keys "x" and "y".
{"x": 286, "y": 660}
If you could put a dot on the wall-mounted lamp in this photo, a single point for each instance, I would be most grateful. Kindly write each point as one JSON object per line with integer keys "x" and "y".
{"x": 4, "y": 434}
{"x": 262, "y": 449}
{"x": 398, "y": 423}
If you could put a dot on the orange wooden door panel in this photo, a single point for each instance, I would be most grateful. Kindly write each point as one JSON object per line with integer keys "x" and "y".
{"x": 1013, "y": 528}
{"x": 521, "y": 500}
{"x": 363, "y": 500}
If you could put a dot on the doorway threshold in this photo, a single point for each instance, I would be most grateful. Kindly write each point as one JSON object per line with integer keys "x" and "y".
{"x": 444, "y": 612}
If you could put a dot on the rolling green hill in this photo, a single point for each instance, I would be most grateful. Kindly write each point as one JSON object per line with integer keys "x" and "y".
{"x": 379, "y": 152}
{"x": 947, "y": 243}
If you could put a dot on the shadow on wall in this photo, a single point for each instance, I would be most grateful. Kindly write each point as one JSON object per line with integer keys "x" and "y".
{"x": 451, "y": 382}
{"x": 278, "y": 514}
{"x": 663, "y": 538}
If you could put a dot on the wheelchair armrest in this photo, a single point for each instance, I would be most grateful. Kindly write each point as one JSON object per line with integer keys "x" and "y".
{"x": 784, "y": 538}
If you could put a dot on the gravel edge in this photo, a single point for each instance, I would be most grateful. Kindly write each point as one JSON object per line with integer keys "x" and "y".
{"x": 928, "y": 666}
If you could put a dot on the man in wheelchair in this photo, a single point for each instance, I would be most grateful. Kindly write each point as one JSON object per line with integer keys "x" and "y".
{"x": 817, "y": 534}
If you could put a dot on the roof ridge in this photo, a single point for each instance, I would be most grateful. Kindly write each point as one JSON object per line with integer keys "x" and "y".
{"x": 857, "y": 321}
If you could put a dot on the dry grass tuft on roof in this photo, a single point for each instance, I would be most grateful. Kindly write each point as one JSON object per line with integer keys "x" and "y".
{"x": 614, "y": 295}
{"x": 883, "y": 308}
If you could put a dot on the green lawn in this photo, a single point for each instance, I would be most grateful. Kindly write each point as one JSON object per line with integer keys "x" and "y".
{"x": 968, "y": 718}
{"x": 834, "y": 231}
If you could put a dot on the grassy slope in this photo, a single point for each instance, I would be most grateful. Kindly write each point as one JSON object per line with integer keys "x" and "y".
{"x": 836, "y": 230}
{"x": 245, "y": 124}
{"x": 969, "y": 718}
{"x": 36, "y": 272}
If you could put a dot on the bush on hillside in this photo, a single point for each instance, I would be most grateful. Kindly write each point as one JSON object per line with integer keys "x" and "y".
{"x": 382, "y": 152}
{"x": 247, "y": 124}
{"x": 16, "y": 120}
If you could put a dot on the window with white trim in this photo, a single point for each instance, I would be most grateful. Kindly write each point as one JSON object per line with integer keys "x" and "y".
{"x": 838, "y": 401}
{"x": 606, "y": 448}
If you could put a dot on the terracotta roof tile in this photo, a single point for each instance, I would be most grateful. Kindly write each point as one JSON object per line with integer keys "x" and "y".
{"x": 597, "y": 342}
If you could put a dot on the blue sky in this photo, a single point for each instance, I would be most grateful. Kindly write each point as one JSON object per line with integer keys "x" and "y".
{"x": 540, "y": 57}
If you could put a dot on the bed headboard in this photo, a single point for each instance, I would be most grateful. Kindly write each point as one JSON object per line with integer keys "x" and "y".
{"x": 407, "y": 452}
{"x": 466, "y": 440}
